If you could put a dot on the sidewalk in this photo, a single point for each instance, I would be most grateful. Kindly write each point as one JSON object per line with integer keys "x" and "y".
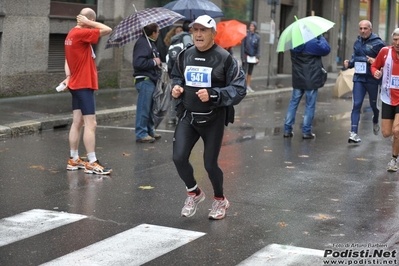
{"x": 29, "y": 114}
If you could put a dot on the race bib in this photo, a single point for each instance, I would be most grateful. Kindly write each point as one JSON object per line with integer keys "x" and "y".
{"x": 360, "y": 67}
{"x": 198, "y": 76}
{"x": 394, "y": 81}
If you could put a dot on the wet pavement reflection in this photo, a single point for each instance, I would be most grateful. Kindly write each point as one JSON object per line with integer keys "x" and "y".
{"x": 305, "y": 193}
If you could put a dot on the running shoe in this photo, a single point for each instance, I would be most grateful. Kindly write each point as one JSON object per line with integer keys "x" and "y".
{"x": 376, "y": 129}
{"x": 96, "y": 168}
{"x": 191, "y": 203}
{"x": 249, "y": 89}
{"x": 75, "y": 164}
{"x": 354, "y": 138}
{"x": 392, "y": 165}
{"x": 219, "y": 208}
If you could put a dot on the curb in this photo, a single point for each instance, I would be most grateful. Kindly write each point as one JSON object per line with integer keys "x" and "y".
{"x": 35, "y": 125}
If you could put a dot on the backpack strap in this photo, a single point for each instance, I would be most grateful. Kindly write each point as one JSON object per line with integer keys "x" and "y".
{"x": 178, "y": 58}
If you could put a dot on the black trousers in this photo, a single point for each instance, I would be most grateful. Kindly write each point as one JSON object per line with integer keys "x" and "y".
{"x": 186, "y": 136}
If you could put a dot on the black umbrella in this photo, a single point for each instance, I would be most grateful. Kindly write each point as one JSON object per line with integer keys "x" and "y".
{"x": 192, "y": 9}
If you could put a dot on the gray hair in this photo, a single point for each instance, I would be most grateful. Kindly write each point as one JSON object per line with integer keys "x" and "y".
{"x": 395, "y": 32}
{"x": 368, "y": 21}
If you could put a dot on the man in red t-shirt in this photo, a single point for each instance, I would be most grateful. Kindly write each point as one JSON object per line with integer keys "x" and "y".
{"x": 82, "y": 81}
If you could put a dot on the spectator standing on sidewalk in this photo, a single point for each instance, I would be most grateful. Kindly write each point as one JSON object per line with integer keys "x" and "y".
{"x": 147, "y": 71}
{"x": 386, "y": 65}
{"x": 172, "y": 32}
{"x": 208, "y": 81}
{"x": 250, "y": 52}
{"x": 81, "y": 79}
{"x": 308, "y": 75}
{"x": 365, "y": 50}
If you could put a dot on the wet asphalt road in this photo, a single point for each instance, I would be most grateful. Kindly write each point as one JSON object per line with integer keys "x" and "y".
{"x": 304, "y": 193}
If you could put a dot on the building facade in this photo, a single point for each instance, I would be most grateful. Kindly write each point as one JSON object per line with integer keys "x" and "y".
{"x": 32, "y": 35}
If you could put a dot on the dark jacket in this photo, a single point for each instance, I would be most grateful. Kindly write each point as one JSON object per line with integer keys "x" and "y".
{"x": 361, "y": 49}
{"x": 250, "y": 46}
{"x": 232, "y": 88}
{"x": 307, "y": 68}
{"x": 143, "y": 63}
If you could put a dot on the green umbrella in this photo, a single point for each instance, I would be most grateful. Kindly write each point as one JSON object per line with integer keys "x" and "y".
{"x": 302, "y": 31}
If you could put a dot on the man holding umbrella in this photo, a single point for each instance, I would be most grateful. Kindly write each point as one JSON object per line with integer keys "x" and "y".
{"x": 208, "y": 81}
{"x": 147, "y": 71}
{"x": 308, "y": 75}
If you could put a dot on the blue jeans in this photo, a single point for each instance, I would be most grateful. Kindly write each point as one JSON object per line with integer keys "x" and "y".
{"x": 358, "y": 93}
{"x": 311, "y": 97}
{"x": 144, "y": 116}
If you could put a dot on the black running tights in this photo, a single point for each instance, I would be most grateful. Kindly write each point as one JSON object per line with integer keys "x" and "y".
{"x": 186, "y": 136}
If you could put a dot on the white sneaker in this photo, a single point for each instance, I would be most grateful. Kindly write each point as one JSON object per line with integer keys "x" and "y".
{"x": 392, "y": 165}
{"x": 354, "y": 138}
{"x": 249, "y": 89}
{"x": 191, "y": 203}
{"x": 219, "y": 208}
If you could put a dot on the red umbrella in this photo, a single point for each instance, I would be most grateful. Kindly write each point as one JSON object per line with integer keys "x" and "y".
{"x": 230, "y": 33}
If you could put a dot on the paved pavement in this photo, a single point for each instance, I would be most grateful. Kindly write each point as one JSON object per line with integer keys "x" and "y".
{"x": 29, "y": 114}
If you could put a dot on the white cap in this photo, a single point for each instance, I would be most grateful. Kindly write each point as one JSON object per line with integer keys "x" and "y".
{"x": 205, "y": 21}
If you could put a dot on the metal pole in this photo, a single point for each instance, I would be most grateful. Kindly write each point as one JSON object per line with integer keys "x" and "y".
{"x": 272, "y": 16}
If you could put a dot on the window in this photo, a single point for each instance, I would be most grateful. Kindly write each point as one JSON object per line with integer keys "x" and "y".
{"x": 238, "y": 9}
{"x": 87, "y": 2}
{"x": 70, "y": 8}
{"x": 156, "y": 3}
{"x": 56, "y": 55}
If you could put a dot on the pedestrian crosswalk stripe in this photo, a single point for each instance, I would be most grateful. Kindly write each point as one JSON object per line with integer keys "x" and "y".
{"x": 33, "y": 222}
{"x": 282, "y": 255}
{"x": 135, "y": 246}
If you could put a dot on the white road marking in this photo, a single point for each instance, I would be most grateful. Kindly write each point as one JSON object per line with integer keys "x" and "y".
{"x": 282, "y": 255}
{"x": 33, "y": 222}
{"x": 135, "y": 246}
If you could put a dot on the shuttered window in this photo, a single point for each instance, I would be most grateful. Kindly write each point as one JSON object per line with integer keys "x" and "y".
{"x": 56, "y": 57}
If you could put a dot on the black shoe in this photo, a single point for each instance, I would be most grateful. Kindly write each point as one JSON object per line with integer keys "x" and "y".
{"x": 288, "y": 135}
{"x": 309, "y": 136}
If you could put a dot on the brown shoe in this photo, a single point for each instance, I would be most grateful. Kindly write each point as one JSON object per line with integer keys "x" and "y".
{"x": 156, "y": 136}
{"x": 147, "y": 139}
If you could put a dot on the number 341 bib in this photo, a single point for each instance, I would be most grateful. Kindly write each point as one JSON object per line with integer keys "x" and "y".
{"x": 198, "y": 76}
